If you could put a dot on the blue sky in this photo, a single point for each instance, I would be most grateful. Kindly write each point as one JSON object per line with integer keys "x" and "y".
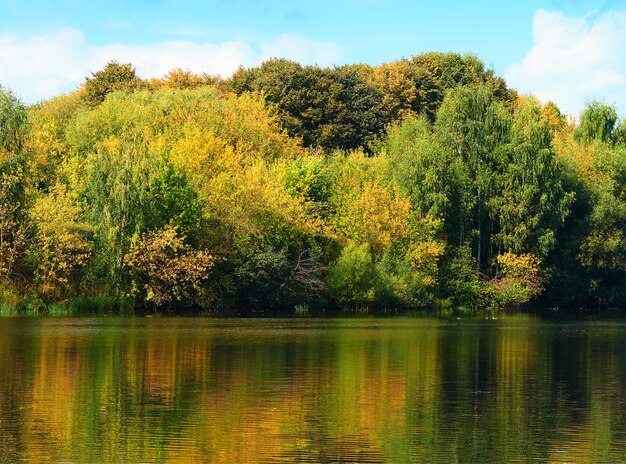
{"x": 564, "y": 50}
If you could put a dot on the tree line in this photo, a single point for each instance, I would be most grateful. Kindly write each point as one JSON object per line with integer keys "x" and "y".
{"x": 420, "y": 183}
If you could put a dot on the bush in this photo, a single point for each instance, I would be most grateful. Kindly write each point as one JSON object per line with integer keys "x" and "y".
{"x": 352, "y": 277}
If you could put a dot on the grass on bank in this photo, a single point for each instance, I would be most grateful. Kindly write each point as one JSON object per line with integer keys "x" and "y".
{"x": 34, "y": 305}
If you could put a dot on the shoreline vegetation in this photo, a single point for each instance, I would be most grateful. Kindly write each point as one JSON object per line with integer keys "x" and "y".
{"x": 421, "y": 184}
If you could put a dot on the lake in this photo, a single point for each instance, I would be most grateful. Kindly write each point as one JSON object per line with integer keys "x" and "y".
{"x": 311, "y": 390}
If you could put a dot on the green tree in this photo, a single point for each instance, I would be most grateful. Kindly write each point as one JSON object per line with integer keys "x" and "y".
{"x": 327, "y": 108}
{"x": 352, "y": 278}
{"x": 62, "y": 245}
{"x": 415, "y": 162}
{"x": 125, "y": 184}
{"x": 494, "y": 179}
{"x": 13, "y": 185}
{"x": 473, "y": 132}
{"x": 532, "y": 203}
{"x": 114, "y": 76}
{"x": 597, "y": 122}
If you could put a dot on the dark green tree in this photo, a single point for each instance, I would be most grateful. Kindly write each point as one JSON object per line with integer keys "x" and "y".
{"x": 326, "y": 108}
{"x": 436, "y": 73}
{"x": 114, "y": 76}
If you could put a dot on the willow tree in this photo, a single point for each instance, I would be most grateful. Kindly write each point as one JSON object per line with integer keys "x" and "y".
{"x": 13, "y": 181}
{"x": 124, "y": 180}
{"x": 532, "y": 201}
{"x": 597, "y": 123}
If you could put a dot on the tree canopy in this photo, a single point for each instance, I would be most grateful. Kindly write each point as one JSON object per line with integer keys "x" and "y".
{"x": 417, "y": 183}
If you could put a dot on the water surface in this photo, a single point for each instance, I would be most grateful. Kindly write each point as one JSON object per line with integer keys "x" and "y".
{"x": 342, "y": 390}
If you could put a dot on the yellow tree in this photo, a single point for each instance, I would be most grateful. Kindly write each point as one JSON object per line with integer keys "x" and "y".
{"x": 61, "y": 246}
{"x": 395, "y": 82}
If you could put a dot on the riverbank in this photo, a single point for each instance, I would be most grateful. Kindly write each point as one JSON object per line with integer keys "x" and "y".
{"x": 35, "y": 305}
{"x": 89, "y": 306}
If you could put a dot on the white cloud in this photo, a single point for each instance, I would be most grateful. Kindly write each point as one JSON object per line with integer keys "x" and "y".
{"x": 157, "y": 59}
{"x": 301, "y": 49}
{"x": 575, "y": 59}
{"x": 43, "y": 66}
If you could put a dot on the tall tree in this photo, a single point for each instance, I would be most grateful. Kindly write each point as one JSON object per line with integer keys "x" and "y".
{"x": 532, "y": 203}
{"x": 473, "y": 130}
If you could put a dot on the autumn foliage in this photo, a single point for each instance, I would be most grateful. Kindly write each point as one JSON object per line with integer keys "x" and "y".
{"x": 418, "y": 183}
